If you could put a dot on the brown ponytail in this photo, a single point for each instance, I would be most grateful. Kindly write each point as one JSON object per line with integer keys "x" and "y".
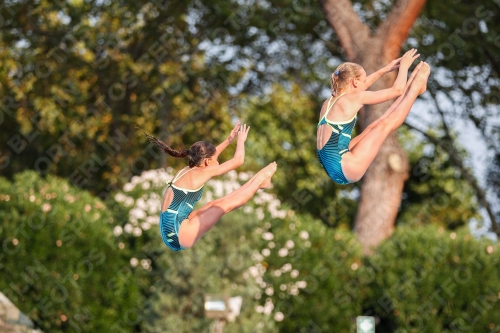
{"x": 174, "y": 153}
{"x": 196, "y": 154}
{"x": 345, "y": 72}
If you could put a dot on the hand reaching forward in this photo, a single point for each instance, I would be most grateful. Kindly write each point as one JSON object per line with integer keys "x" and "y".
{"x": 242, "y": 134}
{"x": 393, "y": 65}
{"x": 408, "y": 58}
{"x": 234, "y": 132}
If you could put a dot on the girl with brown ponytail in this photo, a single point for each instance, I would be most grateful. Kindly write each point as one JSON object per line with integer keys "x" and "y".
{"x": 346, "y": 161}
{"x": 180, "y": 226}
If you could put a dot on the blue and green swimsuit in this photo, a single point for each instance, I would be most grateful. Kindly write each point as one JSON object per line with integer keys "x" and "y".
{"x": 179, "y": 209}
{"x": 330, "y": 156}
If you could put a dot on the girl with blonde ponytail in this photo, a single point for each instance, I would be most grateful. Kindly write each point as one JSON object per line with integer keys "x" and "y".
{"x": 346, "y": 160}
{"x": 180, "y": 226}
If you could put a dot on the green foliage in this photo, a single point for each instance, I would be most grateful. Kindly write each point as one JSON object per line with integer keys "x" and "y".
{"x": 60, "y": 262}
{"x": 87, "y": 74}
{"x": 422, "y": 279}
{"x": 435, "y": 193}
{"x": 427, "y": 279}
{"x": 494, "y": 177}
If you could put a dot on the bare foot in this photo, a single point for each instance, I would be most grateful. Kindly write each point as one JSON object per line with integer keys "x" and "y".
{"x": 266, "y": 175}
{"x": 426, "y": 70}
{"x": 420, "y": 81}
{"x": 415, "y": 71}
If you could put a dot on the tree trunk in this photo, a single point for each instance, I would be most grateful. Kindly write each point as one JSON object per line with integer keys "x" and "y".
{"x": 383, "y": 182}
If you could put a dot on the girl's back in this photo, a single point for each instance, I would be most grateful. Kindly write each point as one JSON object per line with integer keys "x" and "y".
{"x": 188, "y": 180}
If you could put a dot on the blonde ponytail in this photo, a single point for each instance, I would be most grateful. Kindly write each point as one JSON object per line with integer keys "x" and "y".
{"x": 335, "y": 83}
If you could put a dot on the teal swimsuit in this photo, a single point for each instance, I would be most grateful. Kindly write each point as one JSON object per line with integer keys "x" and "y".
{"x": 330, "y": 156}
{"x": 179, "y": 209}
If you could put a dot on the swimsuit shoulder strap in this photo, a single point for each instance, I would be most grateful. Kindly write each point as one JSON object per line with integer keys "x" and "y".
{"x": 179, "y": 176}
{"x": 329, "y": 107}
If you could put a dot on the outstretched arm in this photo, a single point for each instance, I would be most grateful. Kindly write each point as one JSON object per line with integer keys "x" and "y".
{"x": 370, "y": 79}
{"x": 397, "y": 89}
{"x": 355, "y": 140}
{"x": 220, "y": 148}
{"x": 236, "y": 161}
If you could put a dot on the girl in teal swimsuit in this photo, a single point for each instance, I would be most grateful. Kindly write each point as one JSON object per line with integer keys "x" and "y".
{"x": 346, "y": 160}
{"x": 180, "y": 226}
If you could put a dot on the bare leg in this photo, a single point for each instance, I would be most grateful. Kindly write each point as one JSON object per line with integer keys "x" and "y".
{"x": 204, "y": 219}
{"x": 355, "y": 140}
{"x": 266, "y": 184}
{"x": 355, "y": 163}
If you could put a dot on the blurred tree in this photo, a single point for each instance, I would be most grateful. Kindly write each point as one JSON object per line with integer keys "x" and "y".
{"x": 60, "y": 261}
{"x": 465, "y": 94}
{"x": 79, "y": 78}
{"x": 494, "y": 179}
{"x": 436, "y": 191}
